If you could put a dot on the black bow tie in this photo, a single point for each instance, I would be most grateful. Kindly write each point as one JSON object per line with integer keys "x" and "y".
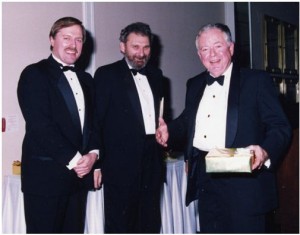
{"x": 141, "y": 71}
{"x": 66, "y": 68}
{"x": 210, "y": 80}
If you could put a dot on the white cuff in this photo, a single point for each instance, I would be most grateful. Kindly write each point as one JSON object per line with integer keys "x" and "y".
{"x": 95, "y": 151}
{"x": 268, "y": 163}
{"x": 74, "y": 161}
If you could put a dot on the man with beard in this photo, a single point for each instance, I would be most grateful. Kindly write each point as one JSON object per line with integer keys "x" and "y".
{"x": 128, "y": 94}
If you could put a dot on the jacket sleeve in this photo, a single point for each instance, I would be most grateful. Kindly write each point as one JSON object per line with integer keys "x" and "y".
{"x": 277, "y": 128}
{"x": 43, "y": 138}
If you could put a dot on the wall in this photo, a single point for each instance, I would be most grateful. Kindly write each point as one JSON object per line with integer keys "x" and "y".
{"x": 25, "y": 31}
{"x": 285, "y": 11}
{"x": 26, "y": 26}
{"x": 175, "y": 24}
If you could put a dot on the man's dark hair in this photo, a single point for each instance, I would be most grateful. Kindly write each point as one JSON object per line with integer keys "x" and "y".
{"x": 66, "y": 22}
{"x": 138, "y": 28}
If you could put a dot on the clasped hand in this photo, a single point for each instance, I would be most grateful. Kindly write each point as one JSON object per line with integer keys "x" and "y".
{"x": 85, "y": 164}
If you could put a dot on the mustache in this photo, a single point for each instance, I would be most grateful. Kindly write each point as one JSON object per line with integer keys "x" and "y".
{"x": 71, "y": 49}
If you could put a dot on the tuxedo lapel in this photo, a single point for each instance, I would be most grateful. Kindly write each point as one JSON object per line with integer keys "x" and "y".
{"x": 232, "y": 109}
{"x": 67, "y": 93}
{"x": 151, "y": 80}
{"x": 88, "y": 111}
{"x": 197, "y": 90}
{"x": 60, "y": 81}
{"x": 132, "y": 92}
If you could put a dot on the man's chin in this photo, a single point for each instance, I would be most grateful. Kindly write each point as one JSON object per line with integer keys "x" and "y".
{"x": 140, "y": 65}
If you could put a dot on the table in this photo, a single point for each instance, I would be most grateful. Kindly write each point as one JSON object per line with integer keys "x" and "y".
{"x": 13, "y": 220}
{"x": 176, "y": 218}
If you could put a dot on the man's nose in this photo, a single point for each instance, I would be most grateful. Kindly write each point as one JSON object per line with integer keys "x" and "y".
{"x": 212, "y": 52}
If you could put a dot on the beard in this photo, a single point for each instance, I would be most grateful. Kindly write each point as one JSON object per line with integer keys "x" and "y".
{"x": 137, "y": 62}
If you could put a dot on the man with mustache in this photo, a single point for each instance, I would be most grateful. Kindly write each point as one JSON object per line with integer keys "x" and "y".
{"x": 128, "y": 95}
{"x": 58, "y": 151}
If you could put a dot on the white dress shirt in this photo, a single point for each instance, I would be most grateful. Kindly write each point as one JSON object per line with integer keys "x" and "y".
{"x": 80, "y": 102}
{"x": 78, "y": 94}
{"x": 210, "y": 130}
{"x": 146, "y": 101}
{"x": 77, "y": 91}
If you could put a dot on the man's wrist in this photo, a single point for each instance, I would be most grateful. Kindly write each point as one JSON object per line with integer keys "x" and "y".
{"x": 96, "y": 151}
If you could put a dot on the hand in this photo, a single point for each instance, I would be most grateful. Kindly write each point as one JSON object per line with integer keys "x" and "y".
{"x": 162, "y": 134}
{"x": 260, "y": 156}
{"x": 85, "y": 164}
{"x": 97, "y": 178}
{"x": 186, "y": 168}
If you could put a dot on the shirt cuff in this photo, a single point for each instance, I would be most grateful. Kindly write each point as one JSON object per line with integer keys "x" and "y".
{"x": 268, "y": 163}
{"x": 74, "y": 161}
{"x": 95, "y": 151}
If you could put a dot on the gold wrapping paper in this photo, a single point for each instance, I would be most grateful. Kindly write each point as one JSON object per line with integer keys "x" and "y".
{"x": 229, "y": 160}
{"x": 16, "y": 168}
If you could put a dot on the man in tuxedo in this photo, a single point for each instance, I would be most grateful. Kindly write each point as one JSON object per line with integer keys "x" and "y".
{"x": 128, "y": 95}
{"x": 239, "y": 109}
{"x": 58, "y": 150}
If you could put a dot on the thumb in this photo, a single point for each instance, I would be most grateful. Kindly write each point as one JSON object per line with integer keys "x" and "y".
{"x": 161, "y": 121}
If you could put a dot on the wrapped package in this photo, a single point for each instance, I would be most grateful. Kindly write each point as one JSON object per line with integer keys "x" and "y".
{"x": 229, "y": 160}
{"x": 16, "y": 168}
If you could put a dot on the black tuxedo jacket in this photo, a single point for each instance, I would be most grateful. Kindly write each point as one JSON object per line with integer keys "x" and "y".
{"x": 53, "y": 133}
{"x": 254, "y": 117}
{"x": 120, "y": 121}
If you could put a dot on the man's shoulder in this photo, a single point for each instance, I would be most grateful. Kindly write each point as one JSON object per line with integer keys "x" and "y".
{"x": 197, "y": 78}
{"x": 40, "y": 63}
{"x": 37, "y": 67}
{"x": 109, "y": 69}
{"x": 110, "y": 66}
{"x": 252, "y": 72}
{"x": 153, "y": 68}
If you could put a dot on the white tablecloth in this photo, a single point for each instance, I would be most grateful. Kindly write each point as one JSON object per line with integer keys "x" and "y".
{"x": 13, "y": 220}
{"x": 176, "y": 218}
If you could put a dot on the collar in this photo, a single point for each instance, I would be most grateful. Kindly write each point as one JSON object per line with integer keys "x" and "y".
{"x": 60, "y": 62}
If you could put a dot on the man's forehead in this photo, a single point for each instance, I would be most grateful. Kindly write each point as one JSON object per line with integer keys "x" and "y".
{"x": 70, "y": 31}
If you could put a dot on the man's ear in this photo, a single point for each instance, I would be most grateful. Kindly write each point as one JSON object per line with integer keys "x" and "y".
{"x": 122, "y": 47}
{"x": 51, "y": 39}
{"x": 231, "y": 48}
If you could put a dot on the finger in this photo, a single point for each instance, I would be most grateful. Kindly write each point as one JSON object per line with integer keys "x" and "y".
{"x": 97, "y": 179}
{"x": 255, "y": 164}
{"x": 96, "y": 184}
{"x": 80, "y": 170}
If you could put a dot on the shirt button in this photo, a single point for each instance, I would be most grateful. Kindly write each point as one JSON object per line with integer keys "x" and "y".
{"x": 204, "y": 136}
